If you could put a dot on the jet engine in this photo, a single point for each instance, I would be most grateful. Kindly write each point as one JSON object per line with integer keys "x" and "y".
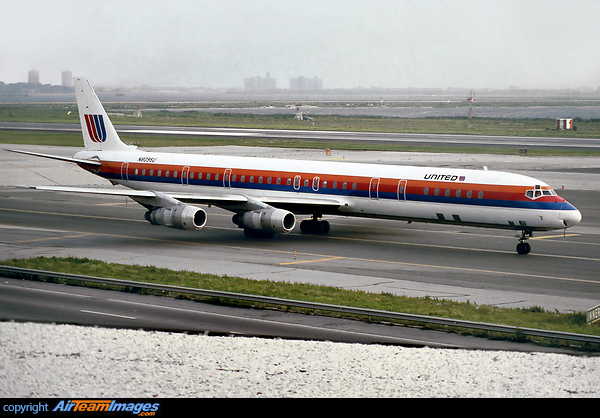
{"x": 267, "y": 220}
{"x": 180, "y": 217}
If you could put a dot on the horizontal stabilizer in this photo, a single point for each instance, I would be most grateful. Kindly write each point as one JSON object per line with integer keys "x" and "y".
{"x": 56, "y": 157}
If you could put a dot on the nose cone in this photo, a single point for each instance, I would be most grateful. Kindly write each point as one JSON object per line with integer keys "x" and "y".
{"x": 570, "y": 217}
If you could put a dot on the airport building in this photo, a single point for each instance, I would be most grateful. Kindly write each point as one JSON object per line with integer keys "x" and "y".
{"x": 564, "y": 124}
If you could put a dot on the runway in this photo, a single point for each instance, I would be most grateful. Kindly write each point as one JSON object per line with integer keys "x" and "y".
{"x": 456, "y": 263}
{"x": 332, "y": 137}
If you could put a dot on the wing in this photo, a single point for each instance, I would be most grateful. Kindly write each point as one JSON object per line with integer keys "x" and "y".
{"x": 232, "y": 202}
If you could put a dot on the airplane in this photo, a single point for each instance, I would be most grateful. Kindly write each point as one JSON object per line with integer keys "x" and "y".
{"x": 265, "y": 195}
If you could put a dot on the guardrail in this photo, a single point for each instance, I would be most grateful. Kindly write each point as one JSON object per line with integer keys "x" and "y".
{"x": 310, "y": 305}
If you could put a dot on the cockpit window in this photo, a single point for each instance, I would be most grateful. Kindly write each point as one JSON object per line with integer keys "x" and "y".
{"x": 538, "y": 192}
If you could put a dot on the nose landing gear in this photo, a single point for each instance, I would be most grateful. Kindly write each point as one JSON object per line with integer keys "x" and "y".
{"x": 523, "y": 247}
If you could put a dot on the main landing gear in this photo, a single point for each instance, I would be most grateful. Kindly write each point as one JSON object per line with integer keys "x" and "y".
{"x": 314, "y": 226}
{"x": 523, "y": 247}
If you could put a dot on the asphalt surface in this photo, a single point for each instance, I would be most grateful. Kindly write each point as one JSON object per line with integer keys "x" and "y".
{"x": 463, "y": 264}
{"x": 52, "y": 303}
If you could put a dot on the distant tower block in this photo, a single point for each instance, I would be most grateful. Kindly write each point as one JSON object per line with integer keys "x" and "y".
{"x": 470, "y": 100}
{"x": 67, "y": 78}
{"x": 34, "y": 77}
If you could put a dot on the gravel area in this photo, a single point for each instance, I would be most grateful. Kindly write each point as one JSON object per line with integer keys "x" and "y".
{"x": 46, "y": 360}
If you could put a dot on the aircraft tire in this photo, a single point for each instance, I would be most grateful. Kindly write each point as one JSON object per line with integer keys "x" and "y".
{"x": 523, "y": 248}
{"x": 314, "y": 227}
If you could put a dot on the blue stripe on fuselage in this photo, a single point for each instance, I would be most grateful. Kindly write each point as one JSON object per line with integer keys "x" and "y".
{"x": 307, "y": 190}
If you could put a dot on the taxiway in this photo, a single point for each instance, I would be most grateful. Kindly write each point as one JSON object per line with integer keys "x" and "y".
{"x": 456, "y": 263}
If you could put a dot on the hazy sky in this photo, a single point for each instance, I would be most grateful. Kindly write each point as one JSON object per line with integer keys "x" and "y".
{"x": 347, "y": 43}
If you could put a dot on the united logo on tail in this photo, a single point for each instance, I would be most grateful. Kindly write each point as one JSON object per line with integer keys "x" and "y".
{"x": 95, "y": 126}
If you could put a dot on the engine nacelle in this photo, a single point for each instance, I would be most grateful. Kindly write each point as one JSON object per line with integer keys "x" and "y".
{"x": 180, "y": 217}
{"x": 268, "y": 220}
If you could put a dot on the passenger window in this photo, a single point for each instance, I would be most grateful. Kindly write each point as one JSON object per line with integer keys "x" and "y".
{"x": 174, "y": 173}
{"x": 167, "y": 173}
{"x": 278, "y": 180}
{"x": 216, "y": 177}
{"x": 324, "y": 184}
{"x": 260, "y": 179}
{"x": 151, "y": 172}
{"x": 207, "y": 176}
{"x": 251, "y": 179}
{"x": 344, "y": 185}
{"x": 426, "y": 191}
{"x": 159, "y": 173}
{"x": 436, "y": 192}
{"x": 458, "y": 193}
{"x": 334, "y": 185}
{"x": 354, "y": 186}
{"x": 469, "y": 194}
{"x": 288, "y": 182}
{"x": 269, "y": 180}
{"x": 305, "y": 182}
{"x": 480, "y": 195}
{"x": 447, "y": 192}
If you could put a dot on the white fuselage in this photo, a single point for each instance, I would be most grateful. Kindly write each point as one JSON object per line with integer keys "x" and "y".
{"x": 421, "y": 194}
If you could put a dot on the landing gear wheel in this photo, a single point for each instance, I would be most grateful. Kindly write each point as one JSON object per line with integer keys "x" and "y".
{"x": 313, "y": 226}
{"x": 523, "y": 248}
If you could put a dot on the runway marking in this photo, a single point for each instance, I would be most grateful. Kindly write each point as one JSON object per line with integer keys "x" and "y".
{"x": 25, "y": 241}
{"x": 74, "y": 215}
{"x": 472, "y": 270}
{"x": 272, "y": 321}
{"x": 326, "y": 257}
{"x": 451, "y": 247}
{"x": 311, "y": 261}
{"x": 556, "y": 236}
{"x": 108, "y": 314}
{"x": 114, "y": 204}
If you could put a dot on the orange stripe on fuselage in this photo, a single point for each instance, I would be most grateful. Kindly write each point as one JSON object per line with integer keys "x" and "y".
{"x": 386, "y": 185}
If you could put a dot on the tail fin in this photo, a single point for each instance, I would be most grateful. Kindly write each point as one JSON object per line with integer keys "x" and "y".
{"x": 99, "y": 133}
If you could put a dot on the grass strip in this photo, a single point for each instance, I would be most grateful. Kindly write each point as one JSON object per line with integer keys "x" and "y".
{"x": 532, "y": 317}
{"x": 123, "y": 114}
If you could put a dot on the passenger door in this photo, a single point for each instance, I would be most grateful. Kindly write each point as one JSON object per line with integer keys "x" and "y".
{"x": 374, "y": 188}
{"x": 402, "y": 190}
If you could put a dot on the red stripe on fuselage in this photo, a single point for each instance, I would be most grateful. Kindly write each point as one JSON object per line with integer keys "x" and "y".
{"x": 386, "y": 185}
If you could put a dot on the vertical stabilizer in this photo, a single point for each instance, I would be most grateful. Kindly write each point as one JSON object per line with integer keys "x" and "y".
{"x": 99, "y": 133}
